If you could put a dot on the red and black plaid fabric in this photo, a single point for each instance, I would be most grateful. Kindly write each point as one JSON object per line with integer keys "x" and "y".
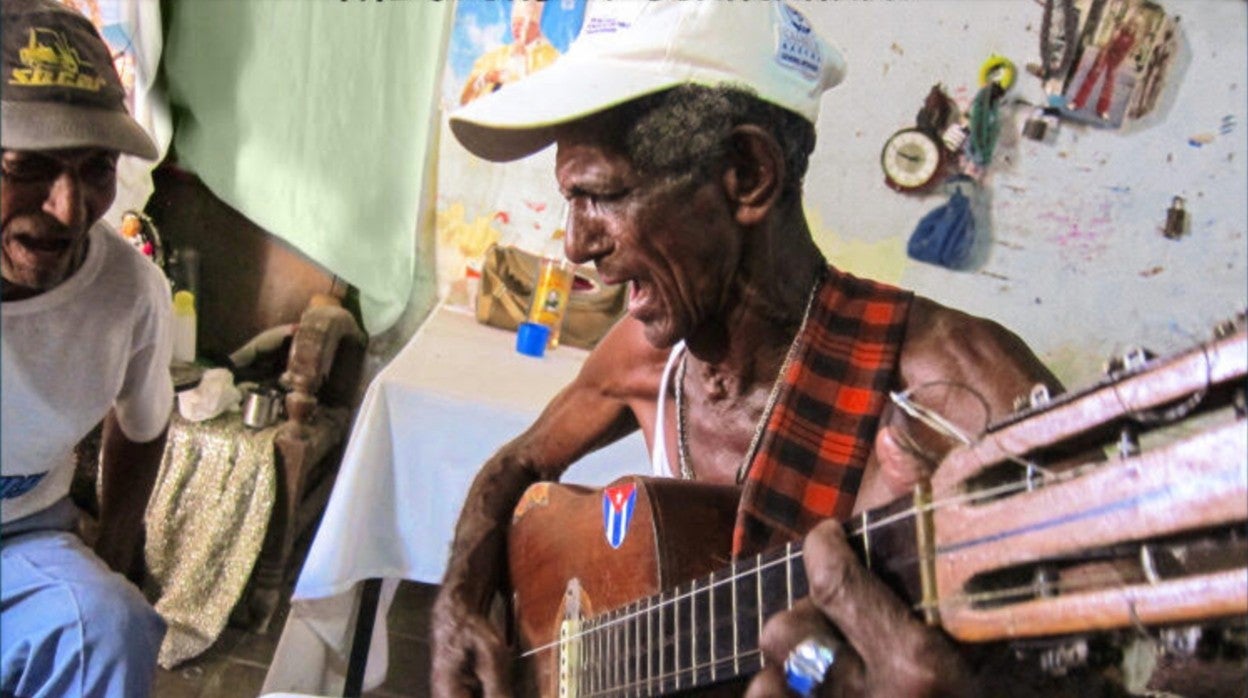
{"x": 821, "y": 430}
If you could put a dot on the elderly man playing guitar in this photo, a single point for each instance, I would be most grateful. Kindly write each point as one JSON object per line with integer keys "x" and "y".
{"x": 683, "y": 131}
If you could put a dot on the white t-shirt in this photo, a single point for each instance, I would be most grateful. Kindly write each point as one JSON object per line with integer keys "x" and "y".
{"x": 101, "y": 339}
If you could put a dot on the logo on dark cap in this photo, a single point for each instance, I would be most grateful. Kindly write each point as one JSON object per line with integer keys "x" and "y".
{"x": 49, "y": 60}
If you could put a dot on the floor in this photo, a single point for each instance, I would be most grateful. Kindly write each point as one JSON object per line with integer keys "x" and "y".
{"x": 235, "y": 666}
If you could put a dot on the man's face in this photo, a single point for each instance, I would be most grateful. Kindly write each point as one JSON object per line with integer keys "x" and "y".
{"x": 677, "y": 248}
{"x": 526, "y": 21}
{"x": 50, "y": 199}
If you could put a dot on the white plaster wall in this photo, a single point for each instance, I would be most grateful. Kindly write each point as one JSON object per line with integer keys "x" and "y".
{"x": 1077, "y": 264}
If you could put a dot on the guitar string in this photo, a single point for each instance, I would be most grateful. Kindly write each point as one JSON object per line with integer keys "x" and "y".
{"x": 860, "y": 531}
{"x": 937, "y": 422}
{"x": 1048, "y": 478}
{"x": 664, "y": 676}
{"x": 1088, "y": 582}
{"x": 760, "y": 566}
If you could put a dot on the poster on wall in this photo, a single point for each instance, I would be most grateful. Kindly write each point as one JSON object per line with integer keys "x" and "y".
{"x": 493, "y": 43}
{"x": 1124, "y": 56}
{"x": 132, "y": 30}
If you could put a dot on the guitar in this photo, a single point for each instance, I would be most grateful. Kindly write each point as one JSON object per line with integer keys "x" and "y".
{"x": 631, "y": 590}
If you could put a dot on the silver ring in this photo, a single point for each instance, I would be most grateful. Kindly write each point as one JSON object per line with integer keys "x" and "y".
{"x": 808, "y": 664}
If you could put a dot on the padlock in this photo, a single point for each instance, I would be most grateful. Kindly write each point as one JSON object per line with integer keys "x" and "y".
{"x": 1176, "y": 219}
{"x": 1042, "y": 124}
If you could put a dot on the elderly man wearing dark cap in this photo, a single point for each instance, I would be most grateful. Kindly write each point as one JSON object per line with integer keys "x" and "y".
{"x": 86, "y": 337}
{"x": 683, "y": 132}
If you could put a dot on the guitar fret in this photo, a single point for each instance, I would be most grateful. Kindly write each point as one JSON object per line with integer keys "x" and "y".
{"x": 634, "y": 655}
{"x": 693, "y": 632}
{"x": 736, "y": 637}
{"x": 626, "y": 651}
{"x": 865, "y": 531}
{"x": 649, "y": 647}
{"x": 630, "y": 637}
{"x": 592, "y": 663}
{"x": 712, "y": 634}
{"x": 636, "y": 650}
{"x": 598, "y": 638}
{"x": 758, "y": 588}
{"x": 676, "y": 634}
{"x": 622, "y": 632}
{"x": 664, "y": 634}
{"x": 788, "y": 575}
{"x": 744, "y": 622}
{"x": 798, "y": 572}
{"x": 614, "y": 651}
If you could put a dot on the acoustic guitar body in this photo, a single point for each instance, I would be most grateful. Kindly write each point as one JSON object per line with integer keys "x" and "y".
{"x": 591, "y": 551}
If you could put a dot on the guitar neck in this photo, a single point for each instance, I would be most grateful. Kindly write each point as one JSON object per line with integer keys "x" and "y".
{"x": 692, "y": 635}
{"x": 707, "y": 631}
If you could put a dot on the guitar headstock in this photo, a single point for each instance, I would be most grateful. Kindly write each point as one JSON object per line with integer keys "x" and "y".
{"x": 1121, "y": 505}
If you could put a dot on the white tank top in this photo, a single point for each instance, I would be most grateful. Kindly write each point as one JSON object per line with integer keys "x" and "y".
{"x": 658, "y": 452}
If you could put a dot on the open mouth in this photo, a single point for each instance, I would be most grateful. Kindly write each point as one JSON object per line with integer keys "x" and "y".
{"x": 37, "y": 251}
{"x": 43, "y": 245}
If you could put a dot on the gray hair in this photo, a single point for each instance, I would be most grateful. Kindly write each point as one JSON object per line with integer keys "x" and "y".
{"x": 681, "y": 134}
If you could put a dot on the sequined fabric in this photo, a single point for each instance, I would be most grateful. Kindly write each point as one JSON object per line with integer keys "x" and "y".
{"x": 206, "y": 521}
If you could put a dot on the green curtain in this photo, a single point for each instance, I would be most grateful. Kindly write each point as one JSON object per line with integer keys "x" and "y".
{"x": 313, "y": 119}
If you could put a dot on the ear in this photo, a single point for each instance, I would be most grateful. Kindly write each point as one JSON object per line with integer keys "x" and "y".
{"x": 754, "y": 173}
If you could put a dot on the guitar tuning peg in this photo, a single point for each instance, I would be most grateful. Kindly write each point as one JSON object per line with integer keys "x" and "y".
{"x": 1037, "y": 397}
{"x": 1128, "y": 442}
{"x": 1182, "y": 642}
{"x": 1226, "y": 328}
{"x": 1133, "y": 359}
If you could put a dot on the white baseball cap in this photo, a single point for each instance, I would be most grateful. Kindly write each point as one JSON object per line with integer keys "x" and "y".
{"x": 630, "y": 48}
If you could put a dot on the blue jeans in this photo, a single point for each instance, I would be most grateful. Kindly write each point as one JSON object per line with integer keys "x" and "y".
{"x": 70, "y": 626}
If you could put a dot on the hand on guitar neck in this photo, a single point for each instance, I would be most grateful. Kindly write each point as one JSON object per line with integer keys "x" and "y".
{"x": 883, "y": 649}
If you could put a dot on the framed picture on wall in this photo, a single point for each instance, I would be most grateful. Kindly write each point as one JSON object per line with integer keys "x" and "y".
{"x": 479, "y": 204}
{"x": 1124, "y": 53}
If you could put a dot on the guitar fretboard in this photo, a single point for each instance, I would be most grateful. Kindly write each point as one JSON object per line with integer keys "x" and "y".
{"x": 692, "y": 635}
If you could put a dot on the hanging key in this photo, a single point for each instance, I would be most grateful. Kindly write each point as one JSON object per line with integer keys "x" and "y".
{"x": 1176, "y": 219}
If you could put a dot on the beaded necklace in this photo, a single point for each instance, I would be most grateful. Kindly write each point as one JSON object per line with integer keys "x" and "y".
{"x": 682, "y": 445}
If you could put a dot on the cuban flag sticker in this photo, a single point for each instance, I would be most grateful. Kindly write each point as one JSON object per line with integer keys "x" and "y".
{"x": 617, "y": 511}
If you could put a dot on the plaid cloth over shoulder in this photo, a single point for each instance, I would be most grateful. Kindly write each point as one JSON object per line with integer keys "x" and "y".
{"x": 820, "y": 432}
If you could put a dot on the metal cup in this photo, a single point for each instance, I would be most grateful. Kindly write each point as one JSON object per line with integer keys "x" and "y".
{"x": 262, "y": 407}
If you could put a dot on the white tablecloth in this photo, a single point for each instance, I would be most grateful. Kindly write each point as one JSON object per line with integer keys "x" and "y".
{"x": 450, "y": 398}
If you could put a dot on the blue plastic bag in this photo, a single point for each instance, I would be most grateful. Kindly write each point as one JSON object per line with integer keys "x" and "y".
{"x": 946, "y": 234}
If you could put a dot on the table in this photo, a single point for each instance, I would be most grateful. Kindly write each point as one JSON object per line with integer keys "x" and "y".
{"x": 451, "y": 397}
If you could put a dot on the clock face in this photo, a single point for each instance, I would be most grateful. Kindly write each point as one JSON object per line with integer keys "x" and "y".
{"x": 911, "y": 160}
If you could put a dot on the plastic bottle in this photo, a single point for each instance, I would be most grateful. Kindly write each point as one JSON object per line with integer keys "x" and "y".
{"x": 183, "y": 327}
{"x": 554, "y": 288}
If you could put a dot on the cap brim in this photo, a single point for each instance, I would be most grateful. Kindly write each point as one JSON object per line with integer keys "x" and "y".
{"x": 48, "y": 126}
{"x": 519, "y": 118}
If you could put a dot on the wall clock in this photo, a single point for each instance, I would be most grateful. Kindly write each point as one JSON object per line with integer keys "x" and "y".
{"x": 912, "y": 159}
